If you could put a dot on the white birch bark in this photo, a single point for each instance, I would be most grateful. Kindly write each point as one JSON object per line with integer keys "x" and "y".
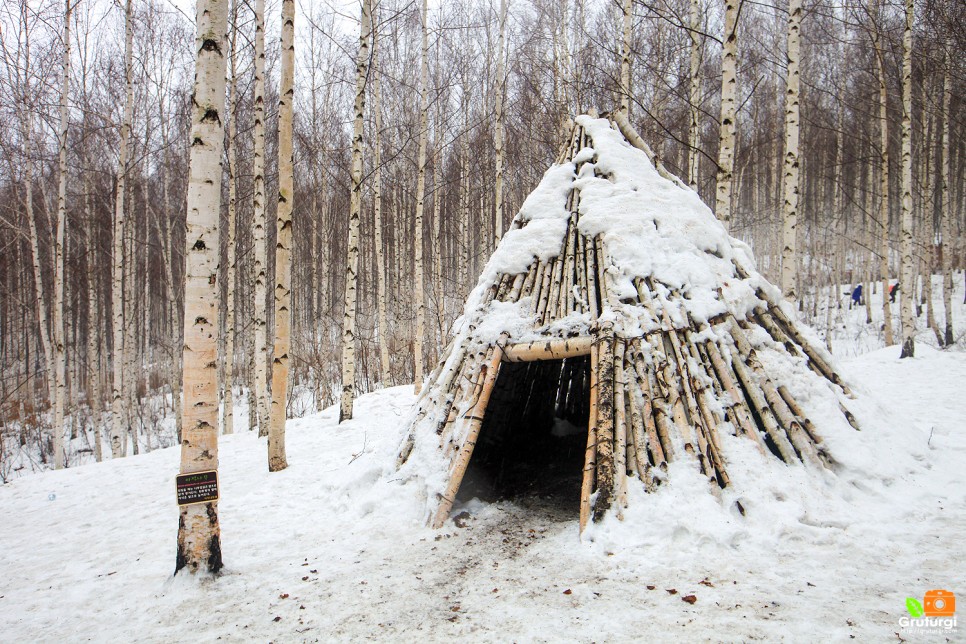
{"x": 694, "y": 94}
{"x": 726, "y": 135}
{"x": 946, "y": 211}
{"x": 39, "y": 290}
{"x": 498, "y": 133}
{"x": 464, "y": 220}
{"x": 355, "y": 211}
{"x": 383, "y": 327}
{"x": 60, "y": 355}
{"x": 626, "y": 19}
{"x": 118, "y": 402}
{"x": 883, "y": 181}
{"x": 905, "y": 224}
{"x": 420, "y": 200}
{"x": 437, "y": 226}
{"x": 93, "y": 327}
{"x": 869, "y": 273}
{"x": 231, "y": 152}
{"x": 260, "y": 384}
{"x": 283, "y": 245}
{"x": 199, "y": 535}
{"x": 789, "y": 275}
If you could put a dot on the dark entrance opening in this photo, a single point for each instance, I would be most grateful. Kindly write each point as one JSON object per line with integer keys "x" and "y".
{"x": 534, "y": 436}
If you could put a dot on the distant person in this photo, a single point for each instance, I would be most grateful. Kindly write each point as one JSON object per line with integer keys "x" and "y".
{"x": 893, "y": 291}
{"x": 856, "y": 297}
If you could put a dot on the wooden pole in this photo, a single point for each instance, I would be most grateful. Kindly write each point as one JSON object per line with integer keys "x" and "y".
{"x": 474, "y": 423}
{"x": 590, "y": 454}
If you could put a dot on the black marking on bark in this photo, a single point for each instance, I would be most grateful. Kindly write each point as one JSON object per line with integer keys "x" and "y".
{"x": 210, "y": 45}
{"x": 180, "y": 561}
{"x": 199, "y": 245}
{"x": 211, "y": 116}
{"x": 201, "y": 320}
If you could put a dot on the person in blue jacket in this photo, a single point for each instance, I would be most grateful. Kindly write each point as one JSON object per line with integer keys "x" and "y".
{"x": 856, "y": 296}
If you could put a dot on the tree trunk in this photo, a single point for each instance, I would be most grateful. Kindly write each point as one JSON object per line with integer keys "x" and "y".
{"x": 118, "y": 403}
{"x": 694, "y": 94}
{"x": 726, "y": 136}
{"x": 437, "y": 228}
{"x": 626, "y": 20}
{"x": 60, "y": 356}
{"x": 420, "y": 199}
{"x": 498, "y": 134}
{"x": 258, "y": 228}
{"x": 283, "y": 245}
{"x": 907, "y": 276}
{"x": 789, "y": 276}
{"x": 383, "y": 328}
{"x": 946, "y": 211}
{"x": 199, "y": 535}
{"x": 231, "y": 153}
{"x": 355, "y": 211}
{"x": 93, "y": 326}
{"x": 884, "y": 183}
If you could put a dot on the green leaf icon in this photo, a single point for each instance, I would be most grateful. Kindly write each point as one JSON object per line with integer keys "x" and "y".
{"x": 914, "y": 606}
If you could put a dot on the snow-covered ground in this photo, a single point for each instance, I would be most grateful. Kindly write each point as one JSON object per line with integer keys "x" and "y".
{"x": 333, "y": 548}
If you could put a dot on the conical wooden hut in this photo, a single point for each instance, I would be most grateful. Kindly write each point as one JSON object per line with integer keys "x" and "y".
{"x": 617, "y": 312}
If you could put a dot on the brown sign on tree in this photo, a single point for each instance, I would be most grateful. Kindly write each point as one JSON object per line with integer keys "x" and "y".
{"x": 197, "y": 487}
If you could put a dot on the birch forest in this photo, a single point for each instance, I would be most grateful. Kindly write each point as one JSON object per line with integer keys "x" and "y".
{"x": 371, "y": 157}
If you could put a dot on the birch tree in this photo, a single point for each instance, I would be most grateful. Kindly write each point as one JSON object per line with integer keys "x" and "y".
{"x": 420, "y": 199}
{"x": 726, "y": 135}
{"x": 260, "y": 270}
{"x": 789, "y": 275}
{"x": 60, "y": 357}
{"x": 385, "y": 375}
{"x": 626, "y": 20}
{"x": 945, "y": 208}
{"x": 355, "y": 211}
{"x": 199, "y": 534}
{"x": 694, "y": 92}
{"x": 905, "y": 233}
{"x": 883, "y": 174}
{"x": 498, "y": 132}
{"x": 283, "y": 245}
{"x": 231, "y": 153}
{"x": 118, "y": 400}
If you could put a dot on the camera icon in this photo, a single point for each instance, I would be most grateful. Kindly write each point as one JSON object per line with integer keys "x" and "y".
{"x": 939, "y": 603}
